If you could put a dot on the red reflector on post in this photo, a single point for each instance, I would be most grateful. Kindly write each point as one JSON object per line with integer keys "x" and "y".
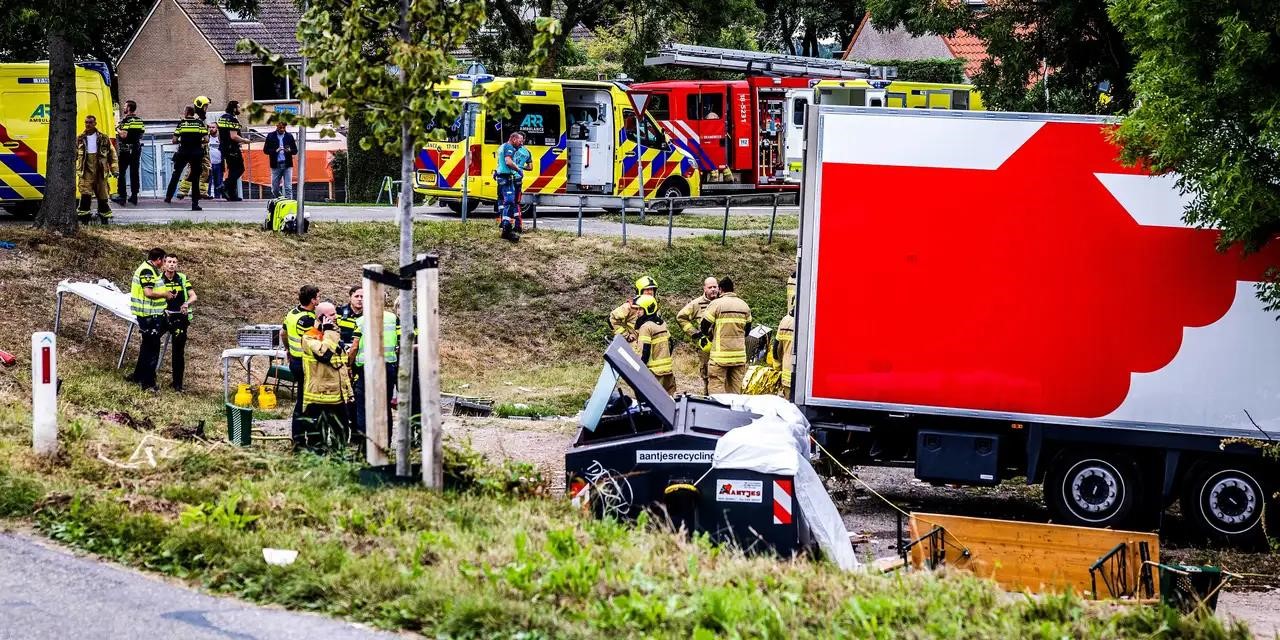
{"x": 46, "y": 363}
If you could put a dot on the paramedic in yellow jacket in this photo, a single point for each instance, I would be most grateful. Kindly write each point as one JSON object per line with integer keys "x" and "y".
{"x": 655, "y": 343}
{"x": 727, "y": 321}
{"x": 95, "y": 163}
{"x": 327, "y": 396}
{"x": 622, "y": 320}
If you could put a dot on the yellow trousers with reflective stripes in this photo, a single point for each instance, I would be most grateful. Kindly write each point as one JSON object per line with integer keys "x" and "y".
{"x": 726, "y": 378}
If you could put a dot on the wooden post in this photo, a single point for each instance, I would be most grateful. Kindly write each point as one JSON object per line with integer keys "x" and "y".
{"x": 429, "y": 380}
{"x": 375, "y": 372}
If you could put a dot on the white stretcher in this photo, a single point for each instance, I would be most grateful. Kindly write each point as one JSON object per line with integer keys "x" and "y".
{"x": 103, "y": 294}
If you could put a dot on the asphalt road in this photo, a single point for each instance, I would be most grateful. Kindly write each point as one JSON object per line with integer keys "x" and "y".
{"x": 556, "y": 218}
{"x": 47, "y": 593}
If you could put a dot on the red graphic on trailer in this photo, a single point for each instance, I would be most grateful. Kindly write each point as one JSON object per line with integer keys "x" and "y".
{"x": 950, "y": 311}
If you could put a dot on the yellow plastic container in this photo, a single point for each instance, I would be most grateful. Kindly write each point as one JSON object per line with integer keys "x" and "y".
{"x": 266, "y": 398}
{"x": 243, "y": 397}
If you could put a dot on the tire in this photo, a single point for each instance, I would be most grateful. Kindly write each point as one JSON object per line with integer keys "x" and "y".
{"x": 25, "y": 210}
{"x": 455, "y": 206}
{"x": 672, "y": 188}
{"x": 1225, "y": 502}
{"x": 1093, "y": 490}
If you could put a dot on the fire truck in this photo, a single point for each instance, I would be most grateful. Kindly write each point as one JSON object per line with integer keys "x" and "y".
{"x": 749, "y": 134}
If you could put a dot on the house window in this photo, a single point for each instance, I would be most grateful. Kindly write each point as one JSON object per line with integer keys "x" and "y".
{"x": 267, "y": 86}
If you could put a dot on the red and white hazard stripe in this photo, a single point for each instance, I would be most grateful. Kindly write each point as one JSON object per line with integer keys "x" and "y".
{"x": 782, "y": 492}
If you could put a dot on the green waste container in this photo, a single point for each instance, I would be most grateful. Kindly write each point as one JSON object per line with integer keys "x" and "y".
{"x": 239, "y": 425}
{"x": 1184, "y": 587}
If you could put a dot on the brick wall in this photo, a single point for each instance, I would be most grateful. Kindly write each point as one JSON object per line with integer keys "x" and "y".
{"x": 169, "y": 64}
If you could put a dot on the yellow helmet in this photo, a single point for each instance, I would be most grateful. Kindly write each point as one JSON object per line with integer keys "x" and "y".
{"x": 648, "y": 304}
{"x": 645, "y": 282}
{"x": 201, "y": 102}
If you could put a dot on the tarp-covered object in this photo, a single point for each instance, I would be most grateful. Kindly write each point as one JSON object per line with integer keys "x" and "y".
{"x": 778, "y": 443}
{"x": 102, "y": 293}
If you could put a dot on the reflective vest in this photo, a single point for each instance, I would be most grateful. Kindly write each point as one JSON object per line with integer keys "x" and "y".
{"x": 656, "y": 337}
{"x": 390, "y": 338}
{"x": 294, "y": 331}
{"x": 145, "y": 277}
{"x": 729, "y": 316}
{"x": 786, "y": 336}
{"x": 183, "y": 285}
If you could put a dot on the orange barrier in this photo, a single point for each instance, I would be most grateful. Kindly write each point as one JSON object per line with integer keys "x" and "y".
{"x": 258, "y": 166}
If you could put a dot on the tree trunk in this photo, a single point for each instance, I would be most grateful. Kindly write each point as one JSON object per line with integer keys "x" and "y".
{"x": 58, "y": 210}
{"x": 404, "y": 383}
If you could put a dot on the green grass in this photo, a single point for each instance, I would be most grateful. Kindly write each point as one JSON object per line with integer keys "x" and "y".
{"x": 737, "y": 221}
{"x": 491, "y": 556}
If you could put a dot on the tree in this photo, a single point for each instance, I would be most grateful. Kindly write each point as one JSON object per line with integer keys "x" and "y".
{"x": 1073, "y": 39}
{"x": 511, "y": 26}
{"x": 797, "y": 27}
{"x": 385, "y": 62}
{"x": 1208, "y": 81}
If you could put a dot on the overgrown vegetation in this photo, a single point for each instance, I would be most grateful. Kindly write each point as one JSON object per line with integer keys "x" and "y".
{"x": 948, "y": 70}
{"x": 479, "y": 561}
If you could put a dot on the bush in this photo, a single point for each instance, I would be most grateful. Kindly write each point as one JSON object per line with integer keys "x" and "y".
{"x": 948, "y": 70}
{"x": 367, "y": 168}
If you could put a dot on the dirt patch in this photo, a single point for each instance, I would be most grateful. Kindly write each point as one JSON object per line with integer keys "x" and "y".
{"x": 541, "y": 442}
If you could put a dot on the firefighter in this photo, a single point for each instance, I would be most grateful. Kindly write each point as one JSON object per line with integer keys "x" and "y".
{"x": 148, "y": 299}
{"x": 622, "y": 320}
{"x": 229, "y": 140}
{"x": 655, "y": 342}
{"x": 299, "y": 319}
{"x": 95, "y": 162}
{"x": 782, "y": 350}
{"x": 129, "y": 132}
{"x": 190, "y": 136}
{"x": 727, "y": 321}
{"x": 327, "y": 397}
{"x": 690, "y": 319}
{"x": 201, "y": 104}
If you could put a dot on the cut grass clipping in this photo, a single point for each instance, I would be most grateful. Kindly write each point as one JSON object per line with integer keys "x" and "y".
{"x": 490, "y": 557}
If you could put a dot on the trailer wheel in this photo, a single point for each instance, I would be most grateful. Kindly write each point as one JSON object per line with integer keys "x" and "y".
{"x": 1225, "y": 503}
{"x": 1093, "y": 490}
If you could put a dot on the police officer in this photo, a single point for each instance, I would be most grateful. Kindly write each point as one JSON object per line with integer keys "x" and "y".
{"x": 298, "y": 321}
{"x": 349, "y": 315}
{"x": 727, "y": 321}
{"x": 690, "y": 319}
{"x": 190, "y": 136}
{"x": 229, "y": 140}
{"x": 148, "y": 299}
{"x": 201, "y": 103}
{"x": 178, "y": 315}
{"x": 129, "y": 132}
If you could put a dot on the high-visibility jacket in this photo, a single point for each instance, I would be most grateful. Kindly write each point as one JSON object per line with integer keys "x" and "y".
{"x": 181, "y": 285}
{"x": 146, "y": 276}
{"x": 623, "y": 318}
{"x": 785, "y": 339}
{"x": 655, "y": 346}
{"x": 690, "y": 317}
{"x": 324, "y": 380}
{"x": 133, "y": 128}
{"x": 296, "y": 323}
{"x": 390, "y": 338}
{"x": 727, "y": 320}
{"x": 347, "y": 320}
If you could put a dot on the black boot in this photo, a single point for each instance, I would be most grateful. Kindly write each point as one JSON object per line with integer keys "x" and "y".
{"x": 133, "y": 199}
{"x": 104, "y": 211}
{"x": 82, "y": 211}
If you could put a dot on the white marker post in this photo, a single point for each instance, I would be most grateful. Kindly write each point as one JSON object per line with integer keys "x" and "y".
{"x": 44, "y": 393}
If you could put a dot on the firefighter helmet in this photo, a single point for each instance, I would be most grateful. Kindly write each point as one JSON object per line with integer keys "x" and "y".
{"x": 201, "y": 102}
{"x": 646, "y": 282}
{"x": 648, "y": 304}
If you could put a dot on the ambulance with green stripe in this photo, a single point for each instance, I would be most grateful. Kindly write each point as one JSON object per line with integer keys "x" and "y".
{"x": 24, "y": 126}
{"x": 582, "y": 138}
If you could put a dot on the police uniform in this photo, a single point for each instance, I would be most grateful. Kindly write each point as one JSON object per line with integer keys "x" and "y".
{"x": 95, "y": 162}
{"x": 727, "y": 321}
{"x": 177, "y": 322}
{"x": 191, "y": 134}
{"x": 206, "y": 164}
{"x": 150, "y": 315}
{"x": 232, "y": 158}
{"x": 130, "y": 157}
{"x": 390, "y": 356}
{"x": 347, "y": 320}
{"x": 297, "y": 322}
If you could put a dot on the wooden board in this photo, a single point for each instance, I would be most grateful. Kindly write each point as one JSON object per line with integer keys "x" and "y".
{"x": 1030, "y": 556}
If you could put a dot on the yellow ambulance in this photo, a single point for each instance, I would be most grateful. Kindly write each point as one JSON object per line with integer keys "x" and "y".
{"x": 24, "y": 126}
{"x": 898, "y": 94}
{"x": 581, "y": 136}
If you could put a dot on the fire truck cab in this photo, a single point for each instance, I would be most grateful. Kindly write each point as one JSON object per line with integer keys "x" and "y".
{"x": 737, "y": 130}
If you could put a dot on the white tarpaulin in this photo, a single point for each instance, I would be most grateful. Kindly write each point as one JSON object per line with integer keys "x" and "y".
{"x": 102, "y": 293}
{"x": 778, "y": 443}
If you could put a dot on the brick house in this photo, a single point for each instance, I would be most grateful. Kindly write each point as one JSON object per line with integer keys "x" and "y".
{"x": 870, "y": 43}
{"x": 187, "y": 48}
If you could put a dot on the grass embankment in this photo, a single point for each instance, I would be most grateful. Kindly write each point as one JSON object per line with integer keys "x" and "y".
{"x": 489, "y": 559}
{"x": 737, "y": 221}
{"x": 492, "y": 557}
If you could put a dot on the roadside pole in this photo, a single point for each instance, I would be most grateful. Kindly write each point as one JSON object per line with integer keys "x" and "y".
{"x": 302, "y": 151}
{"x": 468, "y": 128}
{"x": 640, "y": 101}
{"x": 44, "y": 393}
{"x": 428, "y": 285}
{"x": 375, "y": 371}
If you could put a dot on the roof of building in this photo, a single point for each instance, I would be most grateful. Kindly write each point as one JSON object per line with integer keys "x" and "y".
{"x": 275, "y": 27}
{"x": 870, "y": 43}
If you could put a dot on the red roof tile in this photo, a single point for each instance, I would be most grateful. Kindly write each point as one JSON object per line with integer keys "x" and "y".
{"x": 967, "y": 47}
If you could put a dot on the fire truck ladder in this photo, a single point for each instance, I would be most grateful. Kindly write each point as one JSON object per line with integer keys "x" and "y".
{"x": 756, "y": 62}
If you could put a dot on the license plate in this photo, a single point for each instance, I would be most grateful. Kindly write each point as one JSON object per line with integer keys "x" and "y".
{"x": 428, "y": 179}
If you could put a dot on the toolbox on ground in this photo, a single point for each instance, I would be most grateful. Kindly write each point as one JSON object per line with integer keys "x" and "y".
{"x": 654, "y": 453}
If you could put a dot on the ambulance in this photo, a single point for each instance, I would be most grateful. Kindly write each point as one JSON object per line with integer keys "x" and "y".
{"x": 24, "y": 126}
{"x": 581, "y": 135}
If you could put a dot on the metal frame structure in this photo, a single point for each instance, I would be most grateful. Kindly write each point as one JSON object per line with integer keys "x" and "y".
{"x": 756, "y": 62}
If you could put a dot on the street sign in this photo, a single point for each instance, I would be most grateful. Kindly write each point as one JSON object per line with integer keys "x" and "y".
{"x": 639, "y": 101}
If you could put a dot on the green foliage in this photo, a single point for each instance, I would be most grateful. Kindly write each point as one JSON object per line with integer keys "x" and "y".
{"x": 226, "y": 514}
{"x": 1209, "y": 81}
{"x": 1074, "y": 38}
{"x": 798, "y": 27}
{"x": 944, "y": 70}
{"x": 18, "y": 496}
{"x": 521, "y": 410}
